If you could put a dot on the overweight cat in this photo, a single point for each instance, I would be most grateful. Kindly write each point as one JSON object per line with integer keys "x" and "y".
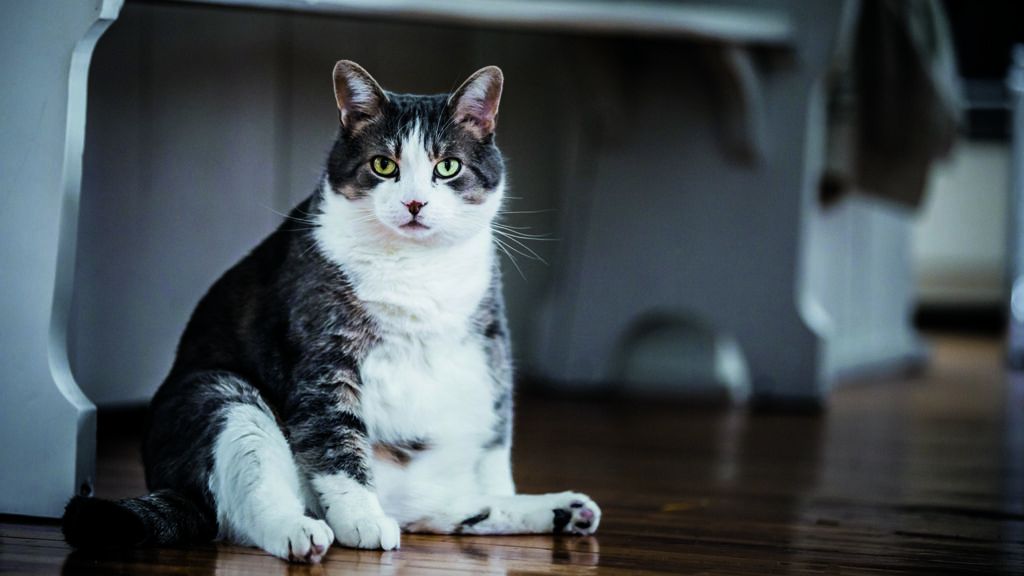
{"x": 351, "y": 377}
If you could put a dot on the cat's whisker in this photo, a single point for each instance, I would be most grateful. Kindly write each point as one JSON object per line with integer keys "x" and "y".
{"x": 526, "y": 248}
{"x": 288, "y": 216}
{"x": 312, "y": 245}
{"x": 523, "y": 249}
{"x": 303, "y": 220}
{"x": 518, "y": 231}
{"x": 501, "y": 246}
{"x": 364, "y": 219}
{"x": 530, "y": 238}
{"x": 508, "y": 227}
{"x": 503, "y": 212}
{"x": 526, "y": 237}
{"x": 307, "y": 213}
{"x": 526, "y": 255}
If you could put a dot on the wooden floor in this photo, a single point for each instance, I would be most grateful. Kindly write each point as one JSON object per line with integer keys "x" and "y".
{"x": 921, "y": 475}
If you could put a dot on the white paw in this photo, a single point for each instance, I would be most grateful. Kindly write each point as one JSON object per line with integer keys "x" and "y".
{"x": 300, "y": 540}
{"x": 576, "y": 514}
{"x": 373, "y": 532}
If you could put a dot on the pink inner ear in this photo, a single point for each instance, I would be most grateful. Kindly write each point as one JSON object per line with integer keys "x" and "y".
{"x": 358, "y": 96}
{"x": 479, "y": 102}
{"x": 357, "y": 93}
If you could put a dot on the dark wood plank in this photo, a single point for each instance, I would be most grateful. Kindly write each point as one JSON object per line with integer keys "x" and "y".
{"x": 911, "y": 475}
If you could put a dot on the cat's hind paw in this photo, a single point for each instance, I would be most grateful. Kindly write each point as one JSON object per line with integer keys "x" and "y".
{"x": 578, "y": 515}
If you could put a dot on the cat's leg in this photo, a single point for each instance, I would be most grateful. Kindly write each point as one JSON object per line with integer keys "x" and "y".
{"x": 495, "y": 471}
{"x": 494, "y": 507}
{"x": 562, "y": 512}
{"x": 499, "y": 510}
{"x": 330, "y": 441}
{"x": 255, "y": 483}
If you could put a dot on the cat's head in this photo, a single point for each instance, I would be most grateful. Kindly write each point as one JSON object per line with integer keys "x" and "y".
{"x": 413, "y": 169}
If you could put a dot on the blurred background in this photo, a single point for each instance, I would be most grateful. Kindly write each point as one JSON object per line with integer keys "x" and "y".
{"x": 741, "y": 198}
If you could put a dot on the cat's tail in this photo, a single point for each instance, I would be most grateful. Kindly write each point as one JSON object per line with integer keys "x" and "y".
{"x": 163, "y": 518}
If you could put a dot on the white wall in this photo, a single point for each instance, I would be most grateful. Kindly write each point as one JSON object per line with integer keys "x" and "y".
{"x": 959, "y": 238}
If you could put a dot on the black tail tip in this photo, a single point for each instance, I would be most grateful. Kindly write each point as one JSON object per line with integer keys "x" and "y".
{"x": 92, "y": 523}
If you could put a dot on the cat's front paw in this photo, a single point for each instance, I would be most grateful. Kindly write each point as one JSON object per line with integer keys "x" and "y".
{"x": 576, "y": 514}
{"x": 372, "y": 532}
{"x": 300, "y": 539}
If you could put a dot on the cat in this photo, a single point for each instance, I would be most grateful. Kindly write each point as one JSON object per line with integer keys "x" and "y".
{"x": 351, "y": 378}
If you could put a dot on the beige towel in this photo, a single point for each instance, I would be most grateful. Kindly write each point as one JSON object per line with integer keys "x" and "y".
{"x": 894, "y": 101}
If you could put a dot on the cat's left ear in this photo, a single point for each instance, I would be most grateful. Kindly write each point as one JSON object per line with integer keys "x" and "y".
{"x": 359, "y": 97}
{"x": 475, "y": 103}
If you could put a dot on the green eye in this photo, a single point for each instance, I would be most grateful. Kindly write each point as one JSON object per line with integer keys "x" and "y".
{"x": 447, "y": 168}
{"x": 385, "y": 167}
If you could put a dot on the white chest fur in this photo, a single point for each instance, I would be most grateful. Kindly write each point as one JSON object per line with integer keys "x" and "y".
{"x": 434, "y": 389}
{"x": 423, "y": 293}
{"x": 428, "y": 376}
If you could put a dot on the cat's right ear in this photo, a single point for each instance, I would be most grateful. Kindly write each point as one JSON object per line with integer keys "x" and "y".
{"x": 360, "y": 98}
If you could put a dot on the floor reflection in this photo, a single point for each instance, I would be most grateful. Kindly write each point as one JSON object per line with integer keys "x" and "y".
{"x": 473, "y": 555}
{"x": 419, "y": 555}
{"x": 196, "y": 560}
{"x": 1013, "y": 479}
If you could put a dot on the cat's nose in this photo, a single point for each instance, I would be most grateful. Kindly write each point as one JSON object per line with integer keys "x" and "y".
{"x": 414, "y": 206}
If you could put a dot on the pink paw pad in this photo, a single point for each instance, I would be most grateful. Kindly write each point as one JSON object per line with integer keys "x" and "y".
{"x": 581, "y": 518}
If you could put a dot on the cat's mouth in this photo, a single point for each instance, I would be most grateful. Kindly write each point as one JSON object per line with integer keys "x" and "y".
{"x": 414, "y": 225}
{"x": 415, "y": 229}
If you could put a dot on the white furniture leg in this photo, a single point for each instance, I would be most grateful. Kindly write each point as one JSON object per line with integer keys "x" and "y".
{"x": 48, "y": 426}
{"x": 658, "y": 223}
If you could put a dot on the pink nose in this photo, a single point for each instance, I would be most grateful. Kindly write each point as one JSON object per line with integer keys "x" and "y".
{"x": 414, "y": 206}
